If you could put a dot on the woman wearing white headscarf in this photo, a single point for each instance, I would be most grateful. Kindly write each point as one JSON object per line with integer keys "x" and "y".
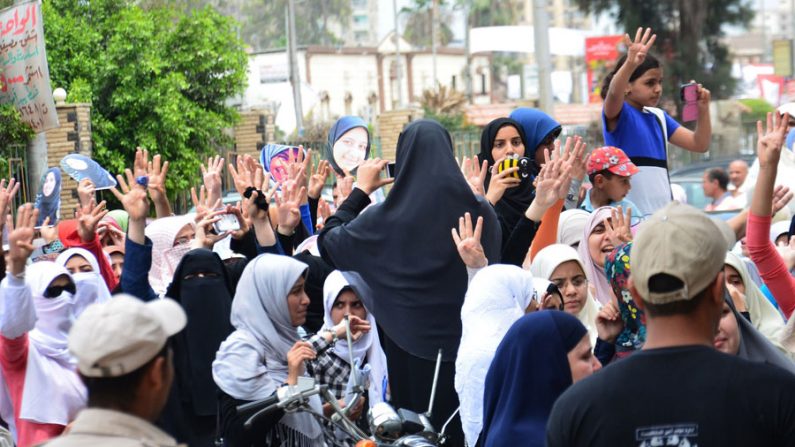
{"x": 571, "y": 225}
{"x": 593, "y": 249}
{"x": 171, "y": 240}
{"x": 497, "y": 296}
{"x": 561, "y": 265}
{"x": 41, "y": 382}
{"x": 265, "y": 352}
{"x": 764, "y": 317}
{"x": 89, "y": 284}
{"x": 366, "y": 348}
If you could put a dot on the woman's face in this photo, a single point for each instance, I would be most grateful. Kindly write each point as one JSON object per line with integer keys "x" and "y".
{"x": 573, "y": 285}
{"x": 49, "y": 184}
{"x": 347, "y": 303}
{"x": 117, "y": 264}
{"x": 599, "y": 245}
{"x": 507, "y": 143}
{"x": 298, "y": 303}
{"x": 185, "y": 235}
{"x": 78, "y": 264}
{"x": 728, "y": 338}
{"x": 279, "y": 165}
{"x": 351, "y": 148}
{"x": 733, "y": 277}
{"x": 581, "y": 361}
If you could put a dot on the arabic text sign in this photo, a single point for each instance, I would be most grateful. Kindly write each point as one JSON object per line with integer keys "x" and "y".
{"x": 24, "y": 74}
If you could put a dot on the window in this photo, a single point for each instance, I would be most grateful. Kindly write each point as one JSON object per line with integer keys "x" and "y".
{"x": 483, "y": 84}
{"x": 360, "y": 21}
{"x": 452, "y": 83}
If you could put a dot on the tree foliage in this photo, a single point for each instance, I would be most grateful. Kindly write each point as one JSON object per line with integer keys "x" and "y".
{"x": 418, "y": 30}
{"x": 688, "y": 36}
{"x": 445, "y": 105}
{"x": 158, "y": 78}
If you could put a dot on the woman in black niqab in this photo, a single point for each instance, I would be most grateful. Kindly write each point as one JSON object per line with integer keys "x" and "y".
{"x": 202, "y": 286}
{"x": 402, "y": 249}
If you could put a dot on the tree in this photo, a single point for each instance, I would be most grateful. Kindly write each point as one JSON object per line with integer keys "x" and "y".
{"x": 444, "y": 105}
{"x": 688, "y": 37}
{"x": 157, "y": 78}
{"x": 418, "y": 31}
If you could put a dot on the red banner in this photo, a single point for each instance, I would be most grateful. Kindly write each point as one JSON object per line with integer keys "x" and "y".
{"x": 601, "y": 54}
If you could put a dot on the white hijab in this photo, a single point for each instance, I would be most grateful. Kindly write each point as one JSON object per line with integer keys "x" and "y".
{"x": 367, "y": 346}
{"x": 571, "y": 226}
{"x": 90, "y": 286}
{"x": 252, "y": 362}
{"x": 545, "y": 263}
{"x": 497, "y": 296}
{"x": 764, "y": 317}
{"x": 53, "y": 392}
{"x": 166, "y": 256}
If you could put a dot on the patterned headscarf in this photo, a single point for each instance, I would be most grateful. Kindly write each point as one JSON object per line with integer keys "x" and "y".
{"x": 617, "y": 271}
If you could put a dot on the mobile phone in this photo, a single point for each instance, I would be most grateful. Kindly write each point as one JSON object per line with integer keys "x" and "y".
{"x": 228, "y": 222}
{"x": 390, "y": 170}
{"x": 689, "y": 95}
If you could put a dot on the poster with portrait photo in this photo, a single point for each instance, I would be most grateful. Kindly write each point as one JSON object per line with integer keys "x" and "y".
{"x": 275, "y": 158}
{"x": 48, "y": 199}
{"x": 80, "y": 167}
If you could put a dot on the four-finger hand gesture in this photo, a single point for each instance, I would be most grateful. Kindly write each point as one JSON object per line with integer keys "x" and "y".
{"x": 132, "y": 197}
{"x": 639, "y": 48}
{"x": 20, "y": 237}
{"x": 318, "y": 179}
{"x": 156, "y": 171}
{"x": 7, "y": 194}
{"x": 467, "y": 241}
{"x": 211, "y": 175}
{"x": 87, "y": 219}
{"x": 475, "y": 174}
{"x": 771, "y": 138}
{"x": 618, "y": 226}
{"x": 288, "y": 207}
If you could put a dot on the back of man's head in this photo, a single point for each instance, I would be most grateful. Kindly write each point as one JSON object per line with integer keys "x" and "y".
{"x": 720, "y": 176}
{"x": 676, "y": 256}
{"x": 123, "y": 354}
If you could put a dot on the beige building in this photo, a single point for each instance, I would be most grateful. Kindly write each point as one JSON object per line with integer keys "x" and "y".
{"x": 357, "y": 80}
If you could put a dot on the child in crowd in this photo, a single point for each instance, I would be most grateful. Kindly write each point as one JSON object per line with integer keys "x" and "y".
{"x": 609, "y": 170}
{"x": 632, "y": 121}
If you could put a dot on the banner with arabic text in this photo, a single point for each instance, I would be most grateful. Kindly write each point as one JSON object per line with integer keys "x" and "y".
{"x": 24, "y": 73}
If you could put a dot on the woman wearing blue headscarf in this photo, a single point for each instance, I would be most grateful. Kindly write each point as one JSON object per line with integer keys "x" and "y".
{"x": 348, "y": 144}
{"x": 542, "y": 354}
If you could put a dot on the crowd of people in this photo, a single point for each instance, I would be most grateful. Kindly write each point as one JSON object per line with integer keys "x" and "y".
{"x": 547, "y": 309}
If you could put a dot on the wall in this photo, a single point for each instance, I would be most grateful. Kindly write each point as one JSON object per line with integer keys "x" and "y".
{"x": 390, "y": 124}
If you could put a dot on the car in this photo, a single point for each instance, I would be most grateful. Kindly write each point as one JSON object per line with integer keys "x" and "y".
{"x": 694, "y": 190}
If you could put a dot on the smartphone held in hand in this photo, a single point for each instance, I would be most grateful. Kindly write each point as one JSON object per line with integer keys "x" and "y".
{"x": 689, "y": 95}
{"x": 390, "y": 170}
{"x": 228, "y": 222}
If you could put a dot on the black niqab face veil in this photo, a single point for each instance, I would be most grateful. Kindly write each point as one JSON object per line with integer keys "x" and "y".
{"x": 515, "y": 201}
{"x": 201, "y": 286}
{"x": 403, "y": 250}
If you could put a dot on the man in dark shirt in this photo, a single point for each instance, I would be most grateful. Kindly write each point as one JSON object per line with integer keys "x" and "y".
{"x": 678, "y": 390}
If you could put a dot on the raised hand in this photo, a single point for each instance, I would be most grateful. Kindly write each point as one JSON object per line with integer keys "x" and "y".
{"x": 768, "y": 148}
{"x": 211, "y": 175}
{"x": 618, "y": 226}
{"x": 344, "y": 188}
{"x": 87, "y": 219}
{"x": 202, "y": 202}
{"x": 576, "y": 155}
{"x": 467, "y": 241}
{"x": 157, "y": 176}
{"x": 475, "y": 174}
{"x": 242, "y": 174}
{"x": 318, "y": 179}
{"x": 639, "y": 48}
{"x": 85, "y": 191}
{"x": 288, "y": 207}
{"x": 323, "y": 213}
{"x": 48, "y": 232}
{"x": 7, "y": 194}
{"x": 370, "y": 175}
{"x": 204, "y": 236}
{"x": 781, "y": 197}
{"x": 132, "y": 197}
{"x": 237, "y": 211}
{"x": 552, "y": 180}
{"x": 20, "y": 237}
